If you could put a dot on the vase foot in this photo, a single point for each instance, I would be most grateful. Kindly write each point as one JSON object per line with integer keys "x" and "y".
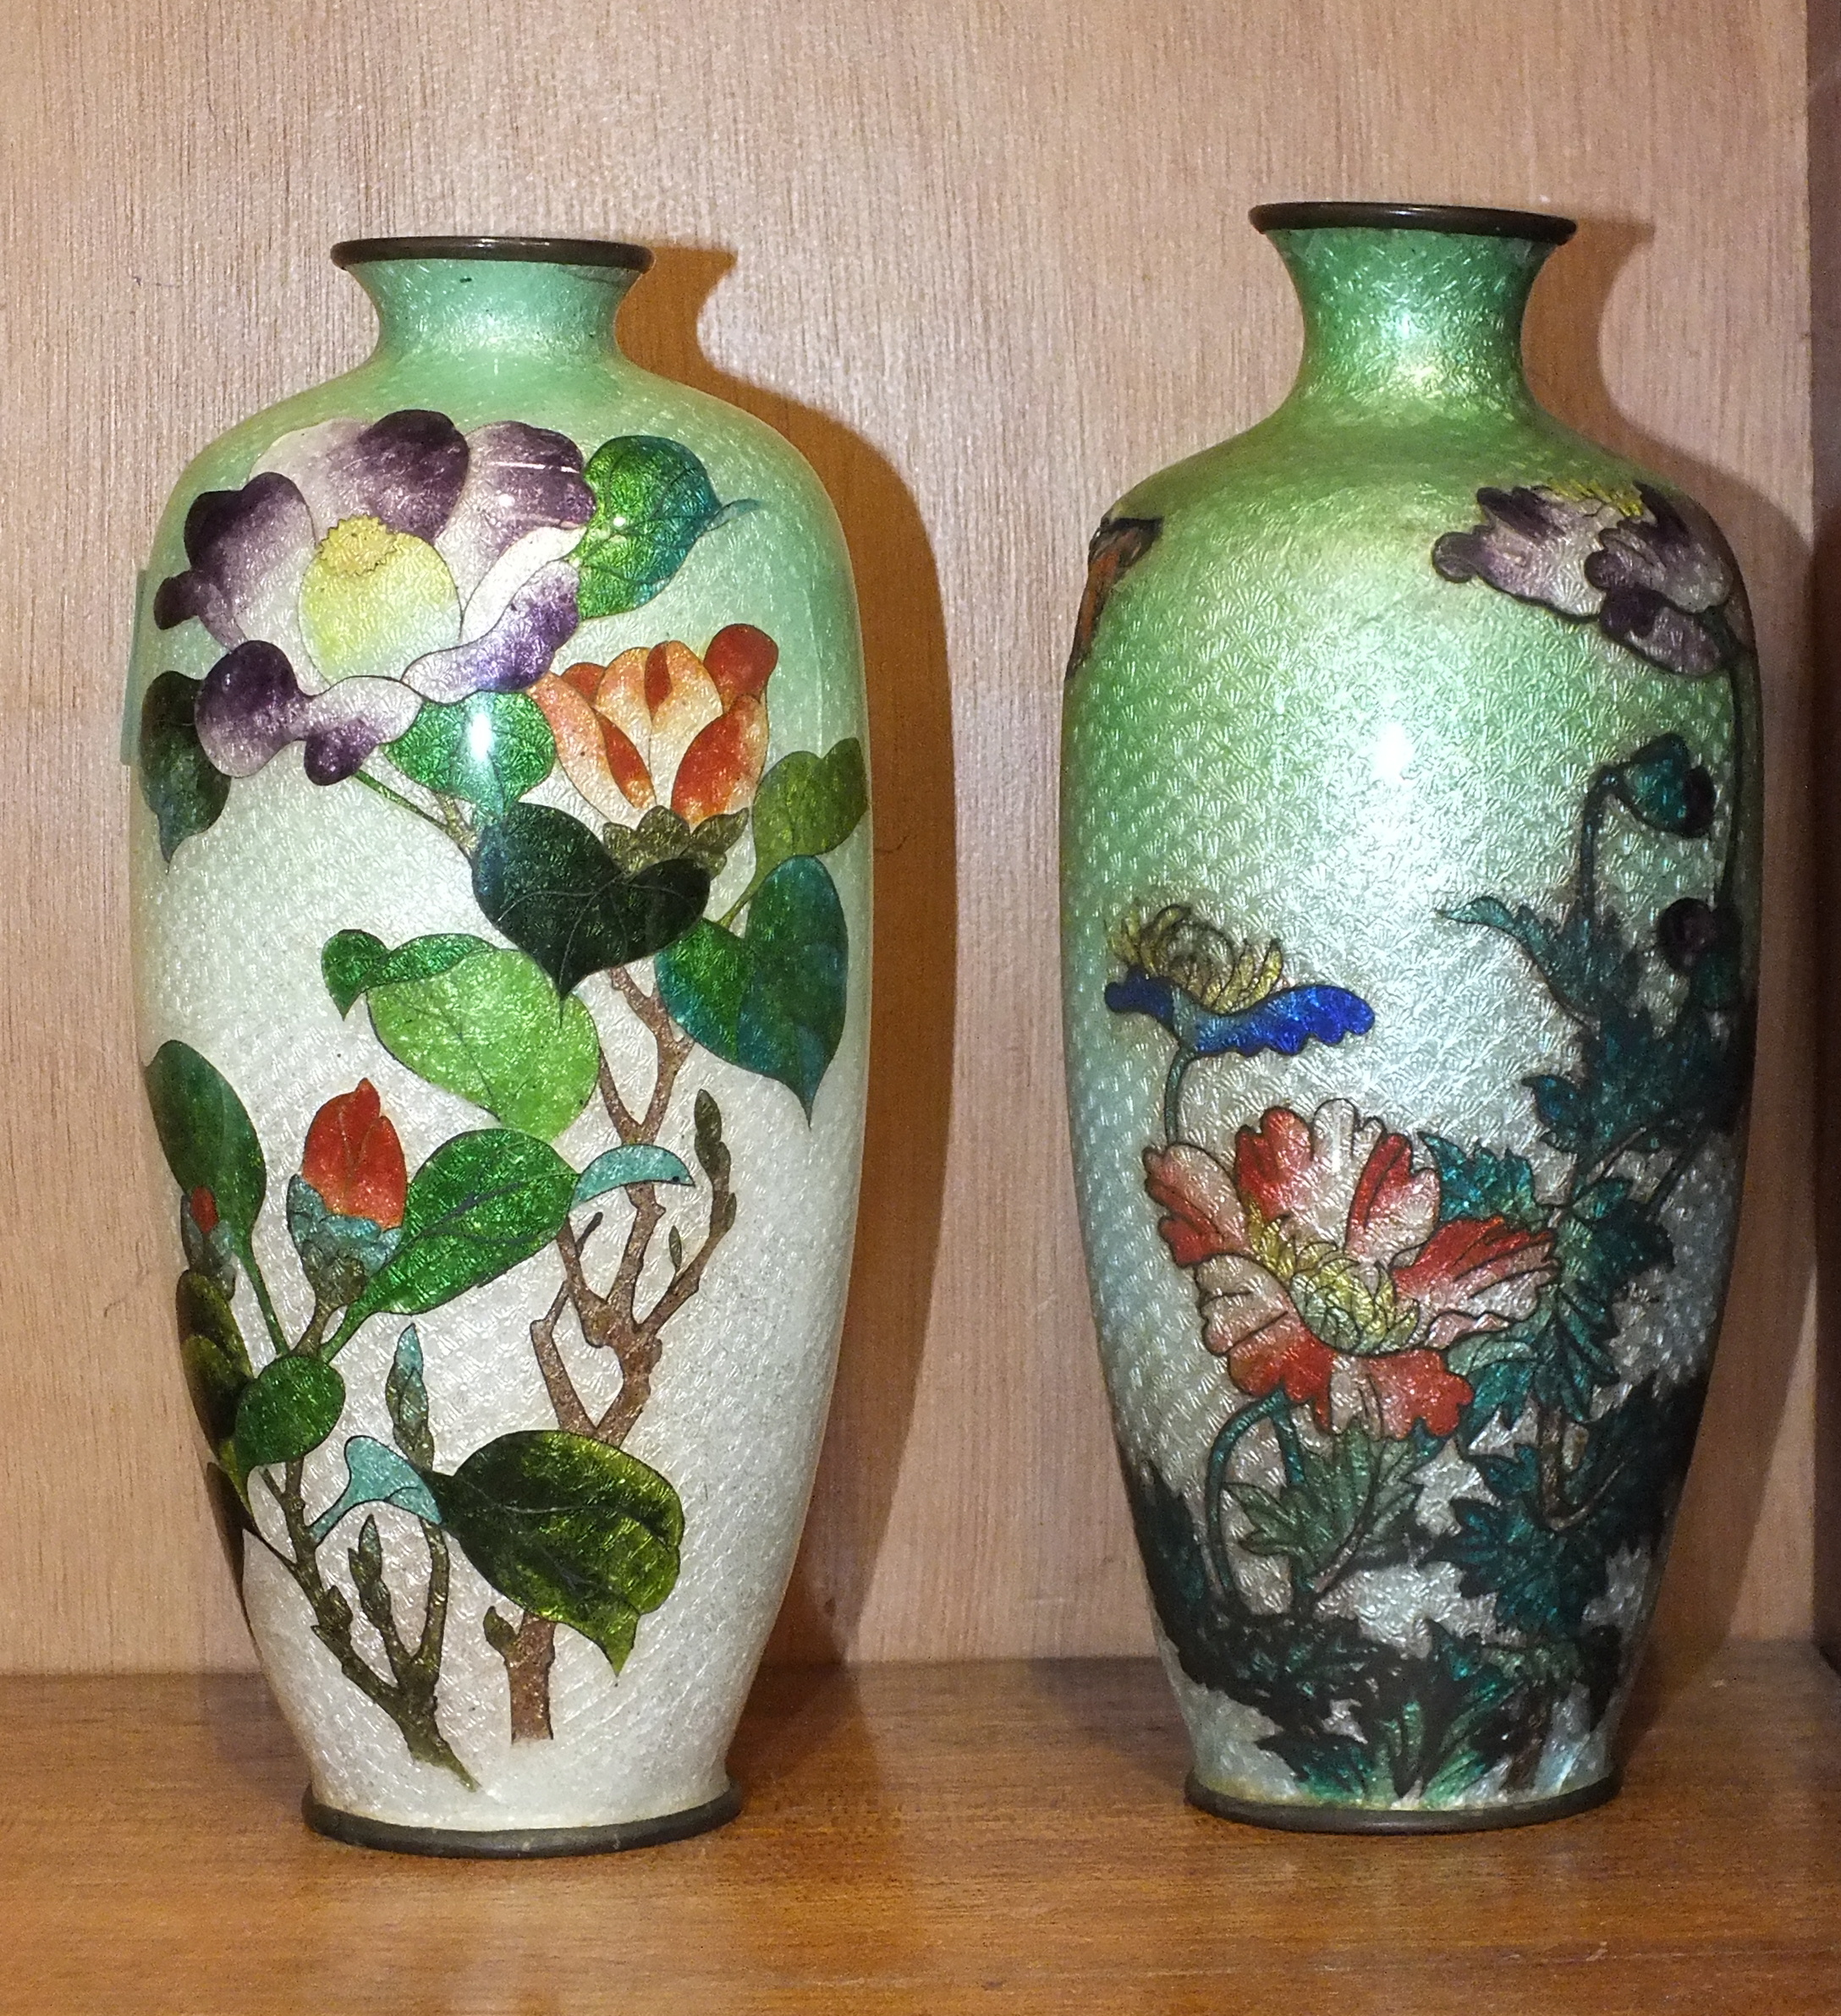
{"x": 501, "y": 1843}
{"x": 1298, "y": 1818}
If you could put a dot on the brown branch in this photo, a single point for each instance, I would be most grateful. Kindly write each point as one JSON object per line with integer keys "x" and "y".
{"x": 570, "y": 1413}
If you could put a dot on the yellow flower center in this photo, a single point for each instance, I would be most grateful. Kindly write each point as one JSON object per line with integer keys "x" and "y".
{"x": 357, "y": 546}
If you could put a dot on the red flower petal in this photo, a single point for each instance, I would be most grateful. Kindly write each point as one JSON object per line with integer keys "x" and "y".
{"x": 355, "y": 1160}
{"x": 1285, "y": 1354}
{"x": 1269, "y": 1163}
{"x": 1415, "y": 1386}
{"x": 740, "y": 660}
{"x": 1467, "y": 1257}
{"x": 721, "y": 767}
{"x": 1204, "y": 1218}
{"x": 1391, "y": 1209}
{"x": 204, "y": 1210}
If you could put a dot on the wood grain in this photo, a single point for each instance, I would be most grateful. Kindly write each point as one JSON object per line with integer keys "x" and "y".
{"x": 986, "y": 264}
{"x": 1000, "y": 1837}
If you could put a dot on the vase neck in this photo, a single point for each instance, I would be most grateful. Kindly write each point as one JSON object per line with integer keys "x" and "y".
{"x": 507, "y": 304}
{"x": 1403, "y": 319}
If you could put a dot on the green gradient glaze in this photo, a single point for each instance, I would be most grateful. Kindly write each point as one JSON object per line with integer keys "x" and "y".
{"x": 1289, "y": 720}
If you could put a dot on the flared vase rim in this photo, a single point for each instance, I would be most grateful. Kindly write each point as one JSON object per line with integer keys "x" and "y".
{"x": 1542, "y": 226}
{"x": 530, "y": 251}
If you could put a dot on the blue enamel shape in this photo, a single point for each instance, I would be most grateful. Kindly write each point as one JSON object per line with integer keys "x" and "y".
{"x": 1285, "y": 1021}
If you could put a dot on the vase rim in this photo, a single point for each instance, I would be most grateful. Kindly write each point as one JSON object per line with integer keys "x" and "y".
{"x": 536, "y": 251}
{"x": 1541, "y": 225}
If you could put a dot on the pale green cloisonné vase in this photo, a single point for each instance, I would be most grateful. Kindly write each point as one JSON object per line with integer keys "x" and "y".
{"x": 1410, "y": 913}
{"x": 502, "y": 886}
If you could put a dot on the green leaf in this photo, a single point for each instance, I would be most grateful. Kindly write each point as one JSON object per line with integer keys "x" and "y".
{"x": 352, "y": 961}
{"x": 492, "y": 1028}
{"x": 1351, "y": 1507}
{"x": 405, "y": 1393}
{"x": 337, "y": 1255}
{"x": 653, "y": 502}
{"x": 216, "y": 1361}
{"x": 183, "y": 790}
{"x": 480, "y": 1204}
{"x": 1664, "y": 786}
{"x": 582, "y": 1534}
{"x": 375, "y": 1474}
{"x": 555, "y": 891}
{"x": 662, "y": 835}
{"x": 808, "y": 805}
{"x": 1588, "y": 968}
{"x": 1483, "y": 1185}
{"x": 291, "y": 1407}
{"x": 206, "y": 1137}
{"x": 772, "y": 1000}
{"x": 490, "y": 749}
{"x": 638, "y": 1163}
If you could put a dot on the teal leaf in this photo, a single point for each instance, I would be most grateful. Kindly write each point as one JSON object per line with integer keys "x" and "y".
{"x": 480, "y": 1204}
{"x": 585, "y": 1534}
{"x": 653, "y": 502}
{"x": 554, "y": 890}
{"x": 637, "y": 1163}
{"x": 772, "y": 1000}
{"x": 337, "y": 1255}
{"x": 375, "y": 1474}
{"x": 206, "y": 1136}
{"x": 490, "y": 749}
{"x": 808, "y": 805}
{"x": 1484, "y": 1184}
{"x": 289, "y": 1410}
{"x": 492, "y": 1028}
{"x": 405, "y": 1393}
{"x": 184, "y": 791}
{"x": 1664, "y": 786}
{"x": 353, "y": 962}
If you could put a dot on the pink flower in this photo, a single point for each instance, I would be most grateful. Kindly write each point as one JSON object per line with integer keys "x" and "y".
{"x": 1323, "y": 1270}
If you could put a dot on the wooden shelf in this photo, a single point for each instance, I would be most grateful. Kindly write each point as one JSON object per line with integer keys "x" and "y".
{"x": 925, "y": 1839}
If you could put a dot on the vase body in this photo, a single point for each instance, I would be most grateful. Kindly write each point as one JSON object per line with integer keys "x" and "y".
{"x": 1410, "y": 817}
{"x": 500, "y": 874}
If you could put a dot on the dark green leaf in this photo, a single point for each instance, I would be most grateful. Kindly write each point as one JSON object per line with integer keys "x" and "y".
{"x": 1351, "y": 1507}
{"x": 557, "y": 892}
{"x": 184, "y": 792}
{"x": 211, "y": 1349}
{"x": 663, "y": 835}
{"x": 489, "y": 749}
{"x": 293, "y": 1406}
{"x": 480, "y": 1204}
{"x": 569, "y": 1529}
{"x": 1483, "y": 1185}
{"x": 772, "y": 1000}
{"x": 1588, "y": 969}
{"x": 405, "y": 1393}
{"x": 652, "y": 503}
{"x": 352, "y": 961}
{"x": 206, "y": 1136}
{"x": 808, "y": 805}
{"x": 712, "y": 1151}
{"x": 1663, "y": 786}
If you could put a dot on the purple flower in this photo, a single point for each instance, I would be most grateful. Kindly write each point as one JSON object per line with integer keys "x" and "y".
{"x": 376, "y": 566}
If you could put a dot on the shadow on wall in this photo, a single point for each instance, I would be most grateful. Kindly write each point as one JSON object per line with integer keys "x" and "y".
{"x": 911, "y": 1029}
{"x": 1776, "y": 1255}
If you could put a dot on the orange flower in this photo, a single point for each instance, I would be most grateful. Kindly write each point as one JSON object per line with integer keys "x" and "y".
{"x": 665, "y": 727}
{"x": 355, "y": 1160}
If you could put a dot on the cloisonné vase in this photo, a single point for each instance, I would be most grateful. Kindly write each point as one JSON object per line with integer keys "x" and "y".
{"x": 1410, "y": 912}
{"x": 502, "y": 874}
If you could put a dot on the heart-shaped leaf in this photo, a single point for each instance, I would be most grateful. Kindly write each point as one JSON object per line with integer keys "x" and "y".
{"x": 351, "y": 961}
{"x": 206, "y": 1137}
{"x": 639, "y": 1162}
{"x": 289, "y": 1410}
{"x": 557, "y": 892}
{"x": 808, "y": 805}
{"x": 493, "y": 1029}
{"x": 480, "y": 1204}
{"x": 375, "y": 1474}
{"x": 653, "y": 502}
{"x": 582, "y": 1534}
{"x": 184, "y": 790}
{"x": 772, "y": 1000}
{"x": 489, "y": 749}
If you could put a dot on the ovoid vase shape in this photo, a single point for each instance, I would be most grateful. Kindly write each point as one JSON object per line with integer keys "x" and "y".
{"x": 1410, "y": 914}
{"x": 501, "y": 880}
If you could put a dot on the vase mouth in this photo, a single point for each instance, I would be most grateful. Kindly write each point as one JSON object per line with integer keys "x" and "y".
{"x": 1540, "y": 225}
{"x": 532, "y": 251}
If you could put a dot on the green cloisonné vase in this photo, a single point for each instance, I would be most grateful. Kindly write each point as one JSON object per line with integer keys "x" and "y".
{"x": 1410, "y": 883}
{"x": 500, "y": 869}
